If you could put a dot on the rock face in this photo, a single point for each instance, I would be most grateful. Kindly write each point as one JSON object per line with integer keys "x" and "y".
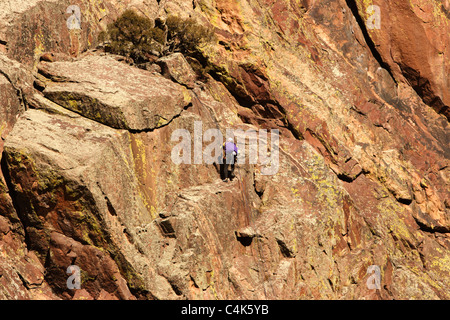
{"x": 360, "y": 179}
{"x": 417, "y": 50}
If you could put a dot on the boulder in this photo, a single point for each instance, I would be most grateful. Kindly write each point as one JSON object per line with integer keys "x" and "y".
{"x": 114, "y": 93}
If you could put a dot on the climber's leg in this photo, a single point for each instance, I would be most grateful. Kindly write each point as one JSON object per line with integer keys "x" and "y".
{"x": 225, "y": 166}
{"x": 230, "y": 165}
{"x": 231, "y": 172}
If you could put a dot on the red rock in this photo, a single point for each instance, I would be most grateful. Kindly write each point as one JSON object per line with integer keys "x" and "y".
{"x": 362, "y": 174}
{"x": 104, "y": 295}
{"x": 413, "y": 41}
{"x": 82, "y": 294}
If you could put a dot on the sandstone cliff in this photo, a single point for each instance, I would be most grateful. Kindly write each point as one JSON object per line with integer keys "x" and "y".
{"x": 87, "y": 177}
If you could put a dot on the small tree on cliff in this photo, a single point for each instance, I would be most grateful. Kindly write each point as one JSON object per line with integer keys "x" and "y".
{"x": 185, "y": 35}
{"x": 132, "y": 36}
{"x": 137, "y": 37}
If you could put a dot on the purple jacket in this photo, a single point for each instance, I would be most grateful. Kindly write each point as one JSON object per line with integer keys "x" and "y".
{"x": 230, "y": 147}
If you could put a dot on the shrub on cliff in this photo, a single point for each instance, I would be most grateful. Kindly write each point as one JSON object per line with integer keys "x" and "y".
{"x": 186, "y": 35}
{"x": 137, "y": 37}
{"x": 132, "y": 36}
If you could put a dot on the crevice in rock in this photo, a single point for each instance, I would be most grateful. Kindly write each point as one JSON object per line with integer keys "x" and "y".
{"x": 22, "y": 279}
{"x": 166, "y": 227}
{"x": 294, "y": 132}
{"x": 38, "y": 85}
{"x": 328, "y": 148}
{"x": 431, "y": 229}
{"x": 111, "y": 208}
{"x": 162, "y": 126}
{"x": 245, "y": 240}
{"x": 422, "y": 259}
{"x": 285, "y": 251}
{"x": 221, "y": 75}
{"x": 331, "y": 284}
{"x": 193, "y": 282}
{"x": 356, "y": 110}
{"x": 134, "y": 280}
{"x": 423, "y": 89}
{"x": 14, "y": 197}
{"x": 406, "y": 201}
{"x": 370, "y": 44}
{"x": 259, "y": 191}
{"x": 175, "y": 287}
{"x": 348, "y": 178}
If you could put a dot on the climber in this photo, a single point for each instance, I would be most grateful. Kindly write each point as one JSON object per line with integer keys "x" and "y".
{"x": 230, "y": 152}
